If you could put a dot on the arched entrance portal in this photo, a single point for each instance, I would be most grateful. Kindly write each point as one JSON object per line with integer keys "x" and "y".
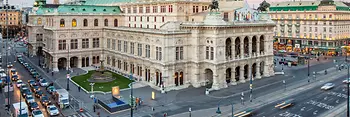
{"x": 73, "y": 62}
{"x": 237, "y": 47}
{"x": 228, "y": 75}
{"x": 254, "y": 42}
{"x": 254, "y": 70}
{"x": 208, "y": 77}
{"x": 62, "y": 63}
{"x": 159, "y": 79}
{"x": 246, "y": 46}
{"x": 262, "y": 39}
{"x": 262, "y": 68}
{"x": 246, "y": 72}
{"x": 237, "y": 73}
{"x": 176, "y": 79}
{"x": 228, "y": 47}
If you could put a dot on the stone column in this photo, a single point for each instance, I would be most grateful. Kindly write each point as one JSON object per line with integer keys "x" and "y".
{"x": 258, "y": 75}
{"x": 68, "y": 63}
{"x": 250, "y": 50}
{"x": 55, "y": 66}
{"x": 218, "y": 82}
{"x": 196, "y": 81}
{"x": 233, "y": 49}
{"x": 233, "y": 75}
{"x": 241, "y": 74}
{"x": 242, "y": 48}
{"x": 250, "y": 67}
{"x": 258, "y": 47}
{"x": 79, "y": 62}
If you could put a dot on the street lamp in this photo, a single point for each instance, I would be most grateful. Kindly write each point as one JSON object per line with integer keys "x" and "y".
{"x": 92, "y": 89}
{"x": 6, "y": 45}
{"x": 189, "y": 110}
{"x": 132, "y": 95}
{"x": 232, "y": 109}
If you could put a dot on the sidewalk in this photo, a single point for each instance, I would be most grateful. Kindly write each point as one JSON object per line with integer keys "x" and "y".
{"x": 263, "y": 100}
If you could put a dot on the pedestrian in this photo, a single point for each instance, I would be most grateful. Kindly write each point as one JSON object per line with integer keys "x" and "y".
{"x": 94, "y": 106}
{"x": 52, "y": 73}
{"x": 79, "y": 88}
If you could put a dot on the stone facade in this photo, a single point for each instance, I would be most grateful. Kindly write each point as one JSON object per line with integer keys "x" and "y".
{"x": 175, "y": 54}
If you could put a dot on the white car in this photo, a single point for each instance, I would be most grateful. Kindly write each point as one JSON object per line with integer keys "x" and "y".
{"x": 327, "y": 86}
{"x": 346, "y": 81}
{"x": 52, "y": 110}
{"x": 19, "y": 83}
{"x": 37, "y": 113}
{"x": 43, "y": 83}
{"x": 30, "y": 98}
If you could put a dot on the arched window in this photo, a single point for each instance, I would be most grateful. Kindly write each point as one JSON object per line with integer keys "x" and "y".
{"x": 115, "y": 22}
{"x": 62, "y": 23}
{"x": 96, "y": 22}
{"x": 39, "y": 21}
{"x": 85, "y": 22}
{"x": 74, "y": 23}
{"x": 106, "y": 22}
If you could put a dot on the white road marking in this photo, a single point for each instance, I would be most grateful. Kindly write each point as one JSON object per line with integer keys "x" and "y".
{"x": 309, "y": 109}
{"x": 315, "y": 112}
{"x": 325, "y": 98}
{"x": 337, "y": 101}
{"x": 302, "y": 109}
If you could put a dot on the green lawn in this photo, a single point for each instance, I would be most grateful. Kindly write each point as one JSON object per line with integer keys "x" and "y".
{"x": 120, "y": 81}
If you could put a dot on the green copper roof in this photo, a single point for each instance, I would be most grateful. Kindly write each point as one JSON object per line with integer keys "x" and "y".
{"x": 105, "y": 2}
{"x": 62, "y": 9}
{"x": 307, "y": 5}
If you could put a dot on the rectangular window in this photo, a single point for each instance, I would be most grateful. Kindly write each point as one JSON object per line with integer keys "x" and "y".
{"x": 129, "y": 18}
{"x": 160, "y": 53}
{"x": 177, "y": 53}
{"x": 157, "y": 53}
{"x": 207, "y": 52}
{"x": 125, "y": 46}
{"x": 147, "y": 9}
{"x": 139, "y": 49}
{"x": 108, "y": 43}
{"x": 61, "y": 44}
{"x": 129, "y": 9}
{"x": 132, "y": 47}
{"x": 155, "y": 19}
{"x": 140, "y": 9}
{"x": 119, "y": 45}
{"x": 330, "y": 29}
{"x": 197, "y": 9}
{"x": 181, "y": 53}
{"x": 147, "y": 19}
{"x": 162, "y": 9}
{"x": 141, "y": 18}
{"x": 324, "y": 29}
{"x": 134, "y": 9}
{"x": 74, "y": 44}
{"x": 85, "y": 43}
{"x": 95, "y": 42}
{"x": 113, "y": 44}
{"x": 135, "y": 18}
{"x": 170, "y": 9}
{"x": 211, "y": 53}
{"x": 310, "y": 30}
{"x": 315, "y": 29}
{"x": 163, "y": 19}
{"x": 194, "y": 9}
{"x": 148, "y": 51}
{"x": 155, "y": 9}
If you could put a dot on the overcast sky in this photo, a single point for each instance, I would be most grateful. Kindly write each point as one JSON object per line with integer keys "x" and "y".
{"x": 251, "y": 2}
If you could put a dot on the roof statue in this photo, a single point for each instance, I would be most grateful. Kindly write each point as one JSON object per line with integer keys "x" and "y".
{"x": 214, "y": 6}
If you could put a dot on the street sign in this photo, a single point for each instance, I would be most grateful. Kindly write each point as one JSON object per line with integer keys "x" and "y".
{"x": 68, "y": 76}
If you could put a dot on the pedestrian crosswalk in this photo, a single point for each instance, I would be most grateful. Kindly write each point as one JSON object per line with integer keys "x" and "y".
{"x": 84, "y": 114}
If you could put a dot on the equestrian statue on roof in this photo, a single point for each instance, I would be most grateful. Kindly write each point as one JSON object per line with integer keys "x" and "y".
{"x": 214, "y": 6}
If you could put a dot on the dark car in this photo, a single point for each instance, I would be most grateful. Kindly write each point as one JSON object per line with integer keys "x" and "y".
{"x": 26, "y": 91}
{"x": 35, "y": 88}
{"x": 45, "y": 100}
{"x": 14, "y": 77}
{"x": 51, "y": 89}
{"x": 33, "y": 106}
{"x": 39, "y": 93}
{"x": 32, "y": 83}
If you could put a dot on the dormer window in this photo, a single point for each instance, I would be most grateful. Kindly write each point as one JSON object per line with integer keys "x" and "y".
{"x": 278, "y": 4}
{"x": 313, "y": 3}
{"x": 104, "y": 10}
{"x": 288, "y": 4}
{"x": 83, "y": 9}
{"x": 114, "y": 10}
{"x": 72, "y": 9}
{"x": 94, "y": 10}
{"x": 299, "y": 3}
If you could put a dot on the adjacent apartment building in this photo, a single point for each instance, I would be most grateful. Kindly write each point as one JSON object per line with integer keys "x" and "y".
{"x": 317, "y": 26}
{"x": 164, "y": 43}
{"x": 14, "y": 20}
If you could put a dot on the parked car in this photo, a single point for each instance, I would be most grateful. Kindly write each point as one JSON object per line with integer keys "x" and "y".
{"x": 37, "y": 113}
{"x": 43, "y": 83}
{"x": 19, "y": 83}
{"x": 32, "y": 83}
{"x": 14, "y": 77}
{"x": 45, "y": 100}
{"x": 30, "y": 98}
{"x": 327, "y": 86}
{"x": 51, "y": 89}
{"x": 39, "y": 93}
{"x": 33, "y": 106}
{"x": 52, "y": 110}
{"x": 346, "y": 80}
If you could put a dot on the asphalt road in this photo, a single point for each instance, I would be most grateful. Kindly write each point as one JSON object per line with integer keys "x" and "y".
{"x": 309, "y": 103}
